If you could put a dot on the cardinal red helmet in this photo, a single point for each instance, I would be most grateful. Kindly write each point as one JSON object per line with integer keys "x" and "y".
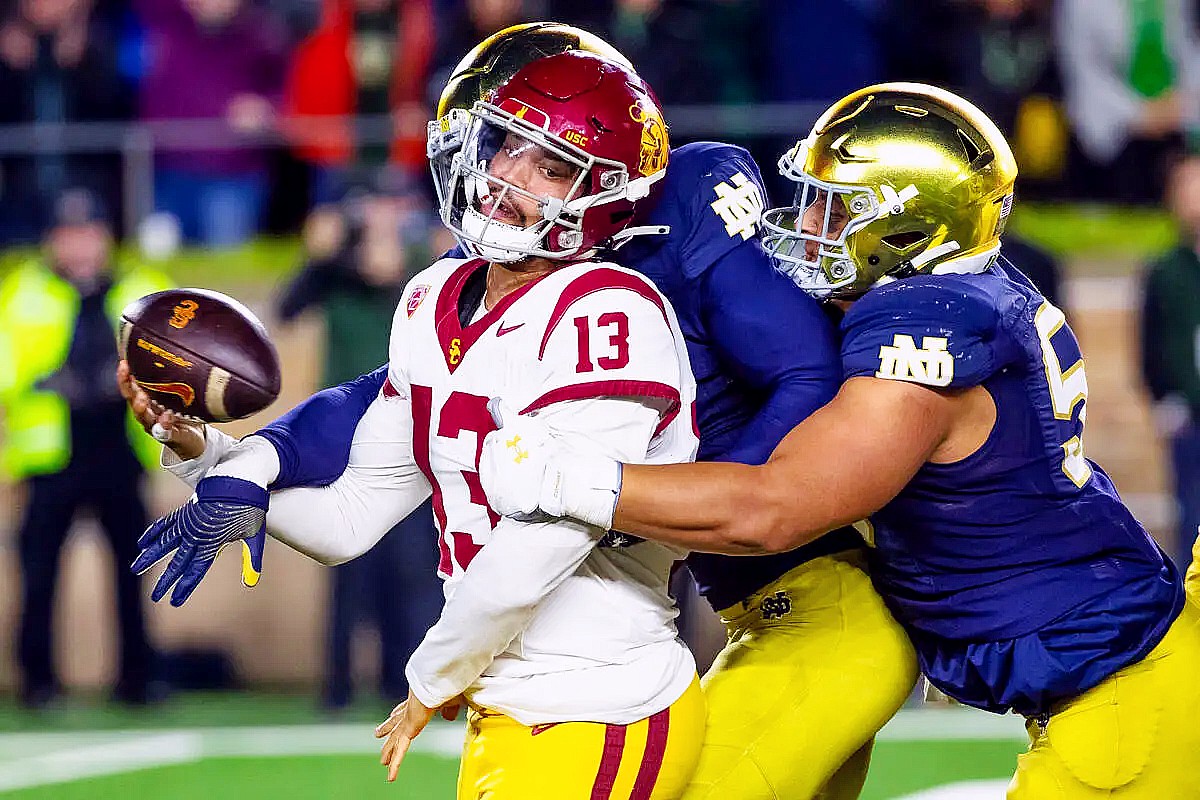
{"x": 593, "y": 115}
{"x": 489, "y": 64}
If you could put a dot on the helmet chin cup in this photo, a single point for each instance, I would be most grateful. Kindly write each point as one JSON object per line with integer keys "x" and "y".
{"x": 497, "y": 241}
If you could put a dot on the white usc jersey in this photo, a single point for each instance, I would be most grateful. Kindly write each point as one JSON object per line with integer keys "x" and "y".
{"x": 600, "y": 642}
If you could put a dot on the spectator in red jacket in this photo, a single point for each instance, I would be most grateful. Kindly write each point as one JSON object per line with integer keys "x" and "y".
{"x": 367, "y": 57}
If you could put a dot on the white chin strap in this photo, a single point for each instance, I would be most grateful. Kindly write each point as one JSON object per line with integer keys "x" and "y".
{"x": 498, "y": 241}
{"x": 620, "y": 239}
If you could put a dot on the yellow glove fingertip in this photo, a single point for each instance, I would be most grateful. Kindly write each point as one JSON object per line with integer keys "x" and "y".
{"x": 250, "y": 575}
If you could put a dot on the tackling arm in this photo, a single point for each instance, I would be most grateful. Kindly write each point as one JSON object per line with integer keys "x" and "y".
{"x": 774, "y": 337}
{"x": 840, "y": 465}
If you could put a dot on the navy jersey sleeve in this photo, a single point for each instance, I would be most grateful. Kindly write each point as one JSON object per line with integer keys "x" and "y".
{"x": 313, "y": 439}
{"x": 940, "y": 331}
{"x": 719, "y": 193}
{"x": 775, "y": 338}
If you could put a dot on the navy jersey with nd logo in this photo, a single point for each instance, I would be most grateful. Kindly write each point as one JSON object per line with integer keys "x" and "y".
{"x": 763, "y": 353}
{"x": 1019, "y": 574}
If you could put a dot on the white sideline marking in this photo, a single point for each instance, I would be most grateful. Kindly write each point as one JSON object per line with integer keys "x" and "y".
{"x": 71, "y": 764}
{"x": 966, "y": 790}
{"x": 38, "y": 759}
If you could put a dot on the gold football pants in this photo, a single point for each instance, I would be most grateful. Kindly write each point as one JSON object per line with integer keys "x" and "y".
{"x": 1133, "y": 737}
{"x": 650, "y": 759}
{"x": 813, "y": 667}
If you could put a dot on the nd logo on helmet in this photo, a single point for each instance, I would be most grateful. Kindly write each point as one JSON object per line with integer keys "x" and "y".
{"x": 654, "y": 139}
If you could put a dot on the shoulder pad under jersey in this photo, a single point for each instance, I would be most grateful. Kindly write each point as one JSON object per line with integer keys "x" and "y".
{"x": 713, "y": 198}
{"x": 936, "y": 330}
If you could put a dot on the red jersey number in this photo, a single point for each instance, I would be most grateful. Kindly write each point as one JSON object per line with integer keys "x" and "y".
{"x": 461, "y": 412}
{"x": 616, "y": 323}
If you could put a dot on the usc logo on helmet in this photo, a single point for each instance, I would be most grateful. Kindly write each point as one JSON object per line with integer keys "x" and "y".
{"x": 653, "y": 157}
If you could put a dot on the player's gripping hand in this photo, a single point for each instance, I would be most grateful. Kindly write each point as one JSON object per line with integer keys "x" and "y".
{"x": 526, "y": 472}
{"x": 222, "y": 511}
{"x": 184, "y": 437}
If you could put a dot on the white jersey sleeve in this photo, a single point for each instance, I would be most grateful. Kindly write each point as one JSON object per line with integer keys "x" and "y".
{"x": 609, "y": 375}
{"x": 380, "y": 486}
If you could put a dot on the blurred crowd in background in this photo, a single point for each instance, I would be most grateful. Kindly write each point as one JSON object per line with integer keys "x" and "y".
{"x": 170, "y": 123}
{"x": 1096, "y": 94}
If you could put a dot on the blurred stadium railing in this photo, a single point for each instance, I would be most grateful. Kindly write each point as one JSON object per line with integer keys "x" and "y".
{"x": 138, "y": 142}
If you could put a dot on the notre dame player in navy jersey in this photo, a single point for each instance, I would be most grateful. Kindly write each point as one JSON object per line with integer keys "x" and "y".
{"x": 805, "y": 628}
{"x": 956, "y": 442}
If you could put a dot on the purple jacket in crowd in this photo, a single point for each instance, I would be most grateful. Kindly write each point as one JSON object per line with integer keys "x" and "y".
{"x": 193, "y": 71}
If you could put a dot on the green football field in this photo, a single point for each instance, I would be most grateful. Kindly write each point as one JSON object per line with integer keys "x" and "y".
{"x": 98, "y": 754}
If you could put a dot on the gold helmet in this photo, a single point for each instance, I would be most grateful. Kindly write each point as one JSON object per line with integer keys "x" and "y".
{"x": 898, "y": 178}
{"x": 489, "y": 64}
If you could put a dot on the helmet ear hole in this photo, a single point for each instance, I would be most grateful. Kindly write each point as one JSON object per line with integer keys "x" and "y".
{"x": 905, "y": 241}
{"x": 977, "y": 157}
{"x": 969, "y": 147}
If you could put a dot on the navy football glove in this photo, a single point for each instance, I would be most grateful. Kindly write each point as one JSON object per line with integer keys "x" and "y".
{"x": 223, "y": 510}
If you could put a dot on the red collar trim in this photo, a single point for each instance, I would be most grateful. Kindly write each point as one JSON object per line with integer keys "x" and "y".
{"x": 455, "y": 340}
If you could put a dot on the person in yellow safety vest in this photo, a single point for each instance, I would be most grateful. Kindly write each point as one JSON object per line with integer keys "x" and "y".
{"x": 66, "y": 434}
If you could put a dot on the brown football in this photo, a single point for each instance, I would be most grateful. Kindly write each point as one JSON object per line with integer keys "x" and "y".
{"x": 200, "y": 353}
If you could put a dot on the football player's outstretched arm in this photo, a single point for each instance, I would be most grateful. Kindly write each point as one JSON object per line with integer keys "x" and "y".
{"x": 349, "y": 486}
{"x": 840, "y": 465}
{"x": 232, "y": 501}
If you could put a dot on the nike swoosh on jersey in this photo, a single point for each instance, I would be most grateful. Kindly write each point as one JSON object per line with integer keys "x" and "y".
{"x": 501, "y": 330}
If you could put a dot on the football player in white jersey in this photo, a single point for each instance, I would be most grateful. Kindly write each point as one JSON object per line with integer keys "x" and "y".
{"x": 562, "y": 639}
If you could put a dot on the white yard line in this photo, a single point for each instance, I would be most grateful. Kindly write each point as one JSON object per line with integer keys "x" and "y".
{"x": 123, "y": 755}
{"x": 38, "y": 759}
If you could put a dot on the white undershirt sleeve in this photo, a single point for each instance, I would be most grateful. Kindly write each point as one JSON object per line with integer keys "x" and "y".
{"x": 380, "y": 487}
{"x": 216, "y": 445}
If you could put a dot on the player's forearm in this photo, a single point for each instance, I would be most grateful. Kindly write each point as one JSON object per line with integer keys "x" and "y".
{"x": 380, "y": 486}
{"x": 711, "y": 508}
{"x": 337, "y": 523}
{"x": 494, "y": 601}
